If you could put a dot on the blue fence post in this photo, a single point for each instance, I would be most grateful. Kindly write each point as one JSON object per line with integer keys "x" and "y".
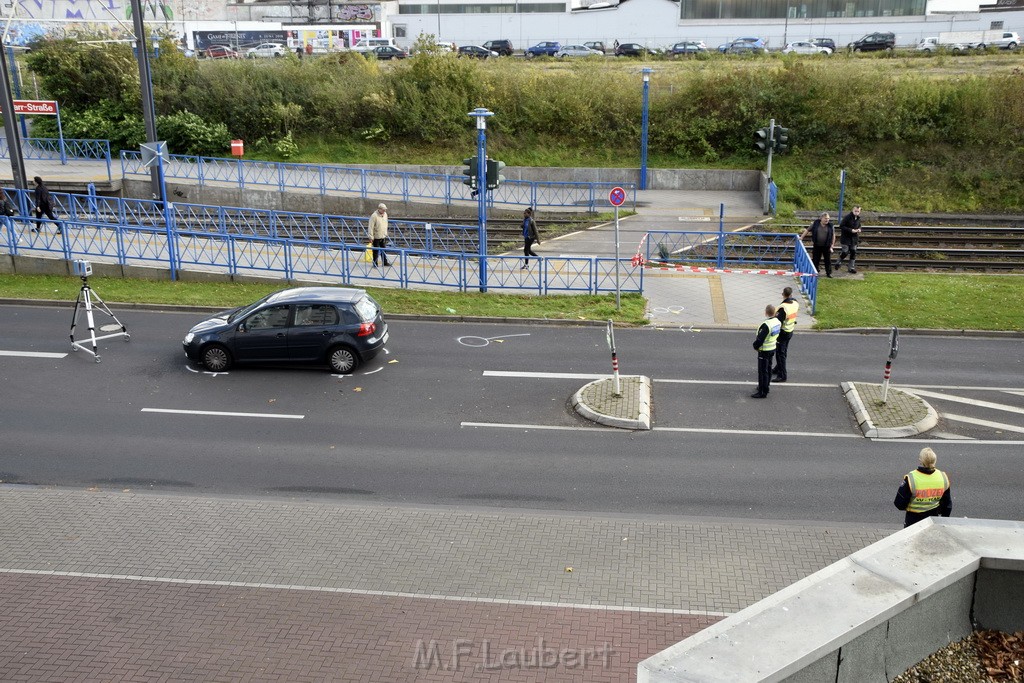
{"x": 200, "y": 171}
{"x": 362, "y": 183}
{"x": 721, "y": 236}
{"x": 322, "y": 177}
{"x": 241, "y": 174}
{"x": 106, "y": 155}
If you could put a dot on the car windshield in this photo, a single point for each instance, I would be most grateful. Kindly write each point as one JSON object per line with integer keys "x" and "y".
{"x": 242, "y": 312}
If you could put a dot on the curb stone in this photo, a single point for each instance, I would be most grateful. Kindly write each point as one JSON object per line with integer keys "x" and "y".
{"x": 866, "y": 414}
{"x": 596, "y": 402}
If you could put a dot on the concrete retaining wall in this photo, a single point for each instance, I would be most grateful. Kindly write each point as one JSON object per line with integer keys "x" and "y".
{"x": 868, "y": 617}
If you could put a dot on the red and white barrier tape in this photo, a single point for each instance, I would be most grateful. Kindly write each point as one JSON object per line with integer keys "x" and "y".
{"x": 655, "y": 265}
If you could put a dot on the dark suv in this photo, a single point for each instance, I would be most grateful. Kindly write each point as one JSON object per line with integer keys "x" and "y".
{"x": 873, "y": 42}
{"x": 825, "y": 42}
{"x": 502, "y": 47}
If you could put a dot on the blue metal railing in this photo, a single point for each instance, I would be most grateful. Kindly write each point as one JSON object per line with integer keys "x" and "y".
{"x": 296, "y": 245}
{"x": 62, "y": 149}
{"x": 405, "y": 185}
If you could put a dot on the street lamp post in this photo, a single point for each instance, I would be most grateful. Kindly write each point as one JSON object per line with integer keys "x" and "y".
{"x": 146, "y": 87}
{"x": 643, "y": 127}
{"x": 481, "y": 114}
{"x": 11, "y": 127}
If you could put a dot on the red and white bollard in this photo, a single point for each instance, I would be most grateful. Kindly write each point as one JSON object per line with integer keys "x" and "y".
{"x": 885, "y": 379}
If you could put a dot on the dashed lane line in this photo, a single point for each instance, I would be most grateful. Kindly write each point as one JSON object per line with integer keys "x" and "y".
{"x": 216, "y": 413}
{"x": 32, "y": 354}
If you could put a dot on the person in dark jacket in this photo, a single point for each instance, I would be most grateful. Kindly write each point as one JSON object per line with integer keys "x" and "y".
{"x": 530, "y": 236}
{"x": 44, "y": 205}
{"x": 823, "y": 241}
{"x": 925, "y": 492}
{"x": 849, "y": 235}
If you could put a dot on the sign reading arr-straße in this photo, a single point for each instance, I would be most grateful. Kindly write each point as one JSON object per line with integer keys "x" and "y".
{"x": 35, "y": 107}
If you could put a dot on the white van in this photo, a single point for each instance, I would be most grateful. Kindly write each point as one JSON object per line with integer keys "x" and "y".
{"x": 367, "y": 44}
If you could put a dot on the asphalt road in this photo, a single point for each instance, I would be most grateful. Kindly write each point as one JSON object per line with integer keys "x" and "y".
{"x": 478, "y": 414}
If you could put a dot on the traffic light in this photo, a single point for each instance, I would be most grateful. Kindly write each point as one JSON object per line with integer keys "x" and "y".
{"x": 472, "y": 167}
{"x": 781, "y": 139}
{"x": 762, "y": 140}
{"x": 494, "y": 177}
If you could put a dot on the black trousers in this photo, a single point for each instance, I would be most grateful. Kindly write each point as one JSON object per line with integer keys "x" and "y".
{"x": 46, "y": 210}
{"x": 764, "y": 371}
{"x": 816, "y": 255}
{"x": 378, "y": 250}
{"x": 781, "y": 350}
{"x": 847, "y": 250}
{"x": 528, "y": 250}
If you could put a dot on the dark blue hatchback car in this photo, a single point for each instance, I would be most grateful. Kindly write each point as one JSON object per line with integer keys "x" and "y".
{"x": 335, "y": 326}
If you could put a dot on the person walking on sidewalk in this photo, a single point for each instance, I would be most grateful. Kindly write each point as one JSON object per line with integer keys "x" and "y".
{"x": 764, "y": 344}
{"x": 823, "y": 241}
{"x": 925, "y": 492}
{"x": 787, "y": 313}
{"x": 849, "y": 235}
{"x": 44, "y": 205}
{"x": 530, "y": 236}
{"x": 379, "y": 234}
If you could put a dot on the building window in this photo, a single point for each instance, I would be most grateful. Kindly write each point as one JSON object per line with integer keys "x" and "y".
{"x": 797, "y": 9}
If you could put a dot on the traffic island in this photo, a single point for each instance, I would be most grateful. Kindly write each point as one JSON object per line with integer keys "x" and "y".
{"x": 901, "y": 415}
{"x": 629, "y": 409}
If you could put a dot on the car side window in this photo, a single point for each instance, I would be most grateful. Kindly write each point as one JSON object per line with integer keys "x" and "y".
{"x": 309, "y": 315}
{"x": 268, "y": 318}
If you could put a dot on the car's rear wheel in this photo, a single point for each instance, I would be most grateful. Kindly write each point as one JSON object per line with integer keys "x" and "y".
{"x": 216, "y": 358}
{"x": 342, "y": 359}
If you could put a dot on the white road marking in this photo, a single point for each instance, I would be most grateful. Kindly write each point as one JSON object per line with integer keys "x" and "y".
{"x": 566, "y": 428}
{"x": 358, "y": 591}
{"x": 32, "y": 354}
{"x": 279, "y": 416}
{"x": 975, "y": 442}
{"x": 984, "y": 423}
{"x": 744, "y": 383}
{"x": 1015, "y": 392}
{"x": 542, "y": 375}
{"x": 949, "y": 436}
{"x": 465, "y": 341}
{"x": 755, "y": 432}
{"x": 969, "y": 401}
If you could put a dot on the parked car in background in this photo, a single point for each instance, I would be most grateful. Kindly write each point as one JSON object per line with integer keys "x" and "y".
{"x": 747, "y": 44}
{"x": 630, "y": 50}
{"x": 805, "y": 47}
{"x": 266, "y": 50}
{"x": 340, "y": 327}
{"x": 874, "y": 42}
{"x": 476, "y": 51}
{"x": 502, "y": 47}
{"x": 596, "y": 45}
{"x": 368, "y": 44}
{"x": 388, "y": 52}
{"x": 825, "y": 42}
{"x": 220, "y": 52}
{"x": 546, "y": 49}
{"x": 688, "y": 47}
{"x": 577, "y": 51}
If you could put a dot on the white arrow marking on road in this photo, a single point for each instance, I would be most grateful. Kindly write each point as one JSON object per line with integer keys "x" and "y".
{"x": 222, "y": 414}
{"x": 32, "y": 354}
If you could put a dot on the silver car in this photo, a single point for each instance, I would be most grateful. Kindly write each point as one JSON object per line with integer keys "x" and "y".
{"x": 804, "y": 47}
{"x": 266, "y": 50}
{"x": 577, "y": 51}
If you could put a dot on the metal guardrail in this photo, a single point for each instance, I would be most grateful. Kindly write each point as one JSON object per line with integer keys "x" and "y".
{"x": 297, "y": 245}
{"x": 62, "y": 149}
{"x": 405, "y": 185}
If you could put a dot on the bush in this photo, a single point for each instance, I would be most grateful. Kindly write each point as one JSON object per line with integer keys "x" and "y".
{"x": 188, "y": 133}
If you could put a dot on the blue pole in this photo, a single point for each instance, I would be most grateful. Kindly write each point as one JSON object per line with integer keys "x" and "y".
{"x": 842, "y": 191}
{"x": 16, "y": 84}
{"x": 721, "y": 236}
{"x": 643, "y": 128}
{"x": 481, "y": 114}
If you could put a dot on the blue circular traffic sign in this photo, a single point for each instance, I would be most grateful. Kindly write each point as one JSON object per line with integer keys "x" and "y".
{"x": 617, "y": 196}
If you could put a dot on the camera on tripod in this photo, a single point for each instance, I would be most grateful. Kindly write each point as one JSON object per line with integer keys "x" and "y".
{"x": 81, "y": 268}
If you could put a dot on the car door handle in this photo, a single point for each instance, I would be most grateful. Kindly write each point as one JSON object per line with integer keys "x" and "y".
{"x": 281, "y": 334}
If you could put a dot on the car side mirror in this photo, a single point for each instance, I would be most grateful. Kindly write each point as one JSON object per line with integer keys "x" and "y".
{"x": 241, "y": 327}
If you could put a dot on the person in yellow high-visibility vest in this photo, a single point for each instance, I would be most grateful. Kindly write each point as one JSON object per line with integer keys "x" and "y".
{"x": 925, "y": 492}
{"x": 764, "y": 344}
{"x": 787, "y": 313}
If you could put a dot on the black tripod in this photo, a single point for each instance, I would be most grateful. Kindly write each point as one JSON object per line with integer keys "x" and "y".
{"x": 86, "y": 296}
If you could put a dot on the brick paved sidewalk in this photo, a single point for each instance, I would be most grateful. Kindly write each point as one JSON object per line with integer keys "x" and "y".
{"x": 123, "y": 586}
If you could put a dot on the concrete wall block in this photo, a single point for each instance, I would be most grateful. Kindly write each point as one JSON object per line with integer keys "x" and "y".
{"x": 146, "y": 272}
{"x": 926, "y": 626}
{"x": 998, "y": 600}
{"x": 822, "y": 670}
{"x": 32, "y": 265}
{"x": 862, "y": 659}
{"x": 101, "y": 269}
{"x": 7, "y": 264}
{"x": 202, "y": 276}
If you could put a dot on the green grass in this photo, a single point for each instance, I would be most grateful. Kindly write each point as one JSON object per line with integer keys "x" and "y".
{"x": 923, "y": 301}
{"x": 229, "y": 294}
{"x": 906, "y": 300}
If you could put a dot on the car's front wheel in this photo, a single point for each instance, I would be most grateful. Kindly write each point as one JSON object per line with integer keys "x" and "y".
{"x": 342, "y": 360}
{"x": 216, "y": 358}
